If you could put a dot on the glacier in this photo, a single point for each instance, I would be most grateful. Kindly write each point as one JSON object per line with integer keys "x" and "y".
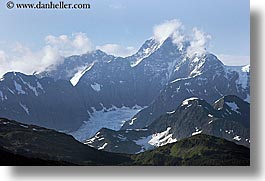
{"x": 112, "y": 118}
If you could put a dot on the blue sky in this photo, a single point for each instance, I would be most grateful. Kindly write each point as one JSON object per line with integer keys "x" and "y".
{"x": 129, "y": 23}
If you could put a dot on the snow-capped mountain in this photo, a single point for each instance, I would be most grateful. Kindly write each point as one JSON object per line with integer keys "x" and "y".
{"x": 205, "y": 77}
{"x": 106, "y": 80}
{"x": 228, "y": 118}
{"x": 159, "y": 76}
{"x": 65, "y": 96}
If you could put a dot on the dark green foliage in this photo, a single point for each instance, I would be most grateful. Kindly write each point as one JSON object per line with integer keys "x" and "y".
{"x": 196, "y": 150}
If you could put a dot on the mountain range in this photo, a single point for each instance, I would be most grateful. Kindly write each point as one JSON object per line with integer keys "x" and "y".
{"x": 159, "y": 76}
{"x": 164, "y": 94}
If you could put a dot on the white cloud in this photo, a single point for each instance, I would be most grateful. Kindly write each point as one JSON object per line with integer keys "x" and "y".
{"x": 117, "y": 50}
{"x": 198, "y": 43}
{"x": 23, "y": 59}
{"x": 235, "y": 60}
{"x": 171, "y": 28}
{"x": 67, "y": 46}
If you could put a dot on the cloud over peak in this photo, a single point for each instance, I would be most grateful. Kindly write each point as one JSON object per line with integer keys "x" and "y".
{"x": 21, "y": 58}
{"x": 175, "y": 29}
{"x": 170, "y": 28}
{"x": 198, "y": 43}
{"x": 77, "y": 44}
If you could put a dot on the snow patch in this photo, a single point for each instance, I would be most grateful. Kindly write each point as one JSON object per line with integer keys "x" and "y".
{"x": 199, "y": 63}
{"x": 246, "y": 68}
{"x": 197, "y": 131}
{"x": 233, "y": 107}
{"x": 237, "y": 138}
{"x": 81, "y": 71}
{"x": 103, "y": 146}
{"x": 18, "y": 88}
{"x": 26, "y": 109}
{"x": 179, "y": 79}
{"x": 39, "y": 86}
{"x": 132, "y": 121}
{"x": 210, "y": 115}
{"x": 186, "y": 101}
{"x": 155, "y": 140}
{"x": 1, "y": 95}
{"x": 186, "y": 78}
{"x": 92, "y": 140}
{"x": 33, "y": 89}
{"x": 12, "y": 92}
{"x": 163, "y": 138}
{"x": 24, "y": 126}
{"x": 96, "y": 87}
{"x": 196, "y": 59}
{"x": 2, "y": 79}
{"x": 30, "y": 86}
{"x": 172, "y": 112}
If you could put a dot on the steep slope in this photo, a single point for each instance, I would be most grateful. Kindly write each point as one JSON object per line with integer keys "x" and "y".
{"x": 228, "y": 118}
{"x": 74, "y": 64}
{"x": 45, "y": 102}
{"x": 205, "y": 77}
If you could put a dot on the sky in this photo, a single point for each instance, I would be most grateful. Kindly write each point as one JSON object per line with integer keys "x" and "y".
{"x": 36, "y": 38}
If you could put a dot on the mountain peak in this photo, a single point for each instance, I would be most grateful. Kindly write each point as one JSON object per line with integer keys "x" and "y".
{"x": 12, "y": 75}
{"x": 195, "y": 102}
{"x": 230, "y": 103}
{"x": 149, "y": 47}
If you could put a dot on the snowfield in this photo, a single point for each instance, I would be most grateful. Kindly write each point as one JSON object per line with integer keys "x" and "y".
{"x": 112, "y": 118}
{"x": 155, "y": 140}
